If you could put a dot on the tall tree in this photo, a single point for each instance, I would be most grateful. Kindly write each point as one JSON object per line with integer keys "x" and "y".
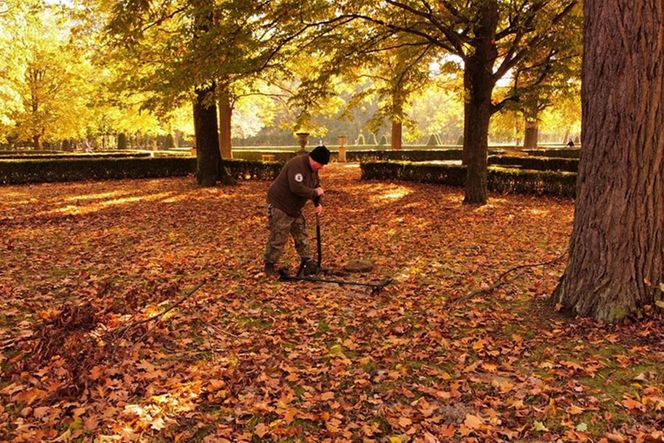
{"x": 45, "y": 71}
{"x": 616, "y": 253}
{"x": 12, "y": 61}
{"x": 399, "y": 74}
{"x": 550, "y": 75}
{"x": 208, "y": 156}
{"x": 491, "y": 37}
{"x": 185, "y": 46}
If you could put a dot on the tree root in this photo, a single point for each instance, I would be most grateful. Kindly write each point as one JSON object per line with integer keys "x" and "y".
{"x": 500, "y": 281}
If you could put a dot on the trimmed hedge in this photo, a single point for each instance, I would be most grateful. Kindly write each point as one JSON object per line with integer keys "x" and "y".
{"x": 62, "y": 170}
{"x": 355, "y": 155}
{"x": 415, "y": 155}
{"x": 404, "y": 154}
{"x": 559, "y": 152}
{"x": 251, "y": 155}
{"x": 252, "y": 170}
{"x": 537, "y": 163}
{"x": 70, "y": 156}
{"x": 28, "y": 151}
{"x": 453, "y": 175}
{"x": 528, "y": 181}
{"x": 502, "y": 180}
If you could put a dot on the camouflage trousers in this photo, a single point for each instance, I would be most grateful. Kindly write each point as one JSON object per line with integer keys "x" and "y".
{"x": 281, "y": 225}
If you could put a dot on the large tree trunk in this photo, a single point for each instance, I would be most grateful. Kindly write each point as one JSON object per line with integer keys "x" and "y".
{"x": 616, "y": 253}
{"x": 207, "y": 141}
{"x": 395, "y": 142}
{"x": 531, "y": 133}
{"x": 225, "y": 115}
{"x": 36, "y": 136}
{"x": 478, "y": 108}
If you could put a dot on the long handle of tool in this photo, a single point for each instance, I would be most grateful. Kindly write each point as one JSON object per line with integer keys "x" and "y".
{"x": 319, "y": 246}
{"x": 318, "y": 241}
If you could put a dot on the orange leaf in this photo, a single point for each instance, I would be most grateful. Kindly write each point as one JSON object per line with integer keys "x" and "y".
{"x": 575, "y": 410}
{"x": 473, "y": 421}
{"x": 91, "y": 423}
{"x": 289, "y": 415}
{"x": 630, "y": 403}
{"x": 261, "y": 429}
{"x": 616, "y": 438}
{"x": 405, "y": 422}
{"x": 489, "y": 367}
{"x": 95, "y": 372}
{"x": 447, "y": 431}
{"x": 41, "y": 411}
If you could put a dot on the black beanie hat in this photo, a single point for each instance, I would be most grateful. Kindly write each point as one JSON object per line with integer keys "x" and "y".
{"x": 320, "y": 154}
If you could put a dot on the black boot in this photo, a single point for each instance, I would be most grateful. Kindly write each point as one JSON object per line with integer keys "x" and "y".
{"x": 307, "y": 268}
{"x": 269, "y": 270}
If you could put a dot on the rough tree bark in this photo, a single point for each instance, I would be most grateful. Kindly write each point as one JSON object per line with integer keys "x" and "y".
{"x": 207, "y": 142}
{"x": 395, "y": 141}
{"x": 531, "y": 133}
{"x": 478, "y": 108}
{"x": 36, "y": 142}
{"x": 225, "y": 115}
{"x": 616, "y": 252}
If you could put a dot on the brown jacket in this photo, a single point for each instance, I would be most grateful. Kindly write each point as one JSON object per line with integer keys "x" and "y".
{"x": 294, "y": 186}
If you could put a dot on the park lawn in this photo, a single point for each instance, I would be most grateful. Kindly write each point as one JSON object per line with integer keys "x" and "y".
{"x": 103, "y": 331}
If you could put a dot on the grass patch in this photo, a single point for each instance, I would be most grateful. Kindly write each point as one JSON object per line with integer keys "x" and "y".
{"x": 615, "y": 382}
{"x": 254, "y": 323}
{"x": 322, "y": 328}
{"x": 62, "y": 272}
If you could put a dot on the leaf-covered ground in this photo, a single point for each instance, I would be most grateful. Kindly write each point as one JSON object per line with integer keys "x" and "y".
{"x": 103, "y": 340}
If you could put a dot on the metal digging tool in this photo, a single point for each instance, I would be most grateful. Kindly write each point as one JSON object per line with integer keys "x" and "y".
{"x": 375, "y": 287}
{"x": 285, "y": 276}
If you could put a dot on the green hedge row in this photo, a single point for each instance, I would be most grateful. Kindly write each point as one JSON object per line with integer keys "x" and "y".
{"x": 537, "y": 163}
{"x": 502, "y": 180}
{"x": 453, "y": 175}
{"x": 279, "y": 156}
{"x": 28, "y": 151}
{"x": 405, "y": 154}
{"x": 559, "y": 152}
{"x": 70, "y": 156}
{"x": 357, "y": 155}
{"x": 253, "y": 170}
{"x": 37, "y": 171}
{"x": 563, "y": 159}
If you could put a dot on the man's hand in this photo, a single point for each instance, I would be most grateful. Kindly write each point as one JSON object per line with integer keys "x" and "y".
{"x": 319, "y": 191}
{"x": 318, "y": 209}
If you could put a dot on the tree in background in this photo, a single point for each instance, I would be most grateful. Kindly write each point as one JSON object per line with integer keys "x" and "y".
{"x": 56, "y": 84}
{"x": 398, "y": 74}
{"x": 50, "y": 75}
{"x": 489, "y": 36}
{"x": 438, "y": 109}
{"x": 616, "y": 253}
{"x": 564, "y": 117}
{"x": 392, "y": 69}
{"x": 547, "y": 76}
{"x": 198, "y": 50}
{"x": 11, "y": 63}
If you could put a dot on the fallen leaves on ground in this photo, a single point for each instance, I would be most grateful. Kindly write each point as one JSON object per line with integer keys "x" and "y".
{"x": 95, "y": 345}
